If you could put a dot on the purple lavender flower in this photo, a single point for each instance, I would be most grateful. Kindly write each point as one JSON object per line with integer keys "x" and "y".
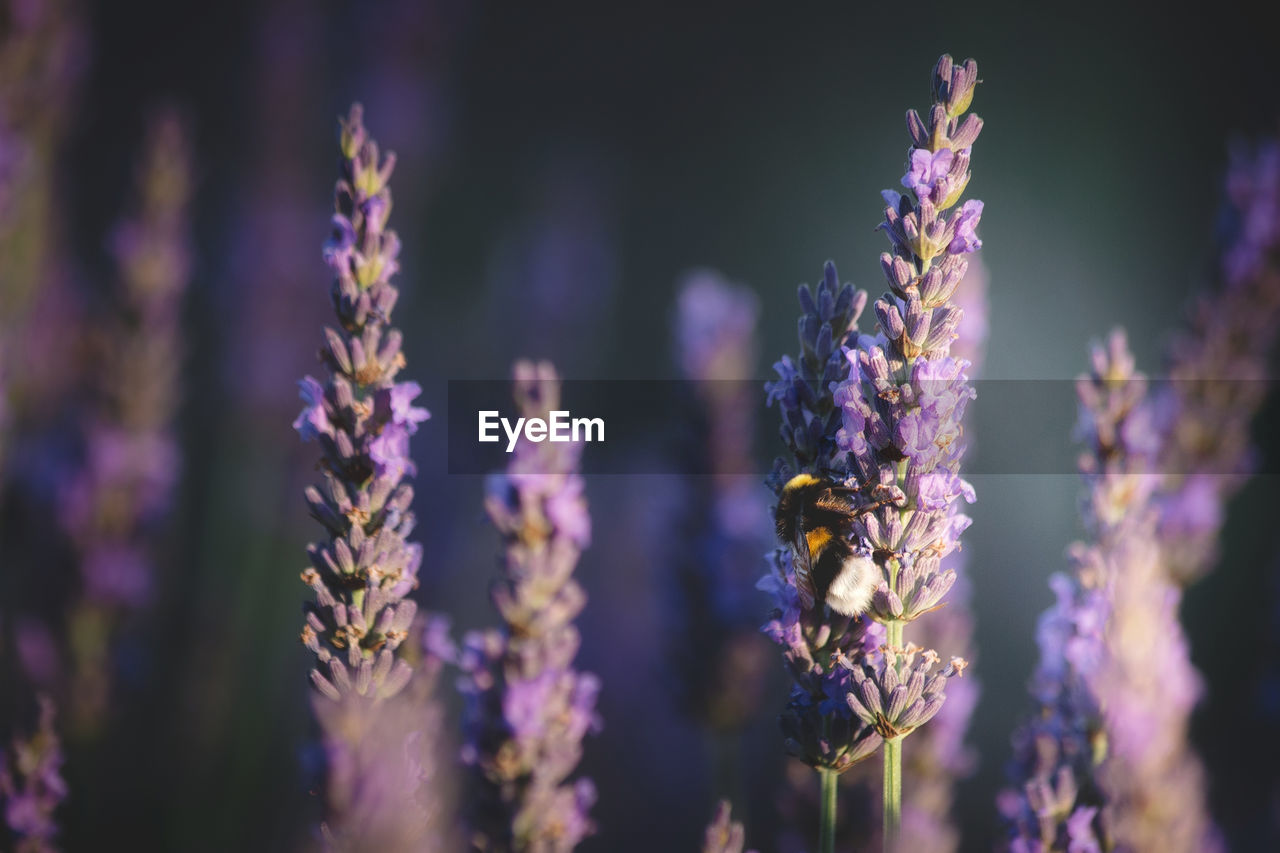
{"x": 822, "y": 733}
{"x": 1104, "y": 761}
{"x": 115, "y": 505}
{"x": 527, "y": 709}
{"x": 890, "y": 428}
{"x": 939, "y": 758}
{"x": 1216, "y": 367}
{"x": 720, "y": 686}
{"x": 380, "y": 738}
{"x": 362, "y": 419}
{"x": 32, "y": 787}
{"x": 902, "y": 406}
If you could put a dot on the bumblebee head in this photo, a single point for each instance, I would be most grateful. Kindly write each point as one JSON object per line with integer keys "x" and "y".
{"x": 800, "y": 481}
{"x": 798, "y": 491}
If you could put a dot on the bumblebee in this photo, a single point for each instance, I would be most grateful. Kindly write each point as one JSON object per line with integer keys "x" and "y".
{"x": 815, "y": 517}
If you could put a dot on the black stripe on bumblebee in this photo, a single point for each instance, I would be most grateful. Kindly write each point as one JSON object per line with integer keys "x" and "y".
{"x": 815, "y": 516}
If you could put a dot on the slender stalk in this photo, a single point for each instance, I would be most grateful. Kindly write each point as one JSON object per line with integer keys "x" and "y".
{"x": 827, "y": 821}
{"x": 893, "y": 766}
{"x": 892, "y": 792}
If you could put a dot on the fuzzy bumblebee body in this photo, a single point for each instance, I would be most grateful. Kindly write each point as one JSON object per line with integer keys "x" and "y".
{"x": 815, "y": 517}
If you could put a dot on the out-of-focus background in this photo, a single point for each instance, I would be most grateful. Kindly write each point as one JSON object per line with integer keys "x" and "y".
{"x": 561, "y": 166}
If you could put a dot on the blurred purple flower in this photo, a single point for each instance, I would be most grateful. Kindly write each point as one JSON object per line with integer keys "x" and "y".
{"x": 37, "y": 652}
{"x": 1217, "y": 370}
{"x": 114, "y": 507}
{"x": 1104, "y": 761}
{"x": 42, "y": 57}
{"x": 386, "y": 786}
{"x": 527, "y": 709}
{"x": 31, "y": 785}
{"x": 720, "y": 542}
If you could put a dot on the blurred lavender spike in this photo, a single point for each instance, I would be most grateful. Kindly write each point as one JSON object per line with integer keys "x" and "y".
{"x": 1103, "y": 763}
{"x": 1218, "y": 371}
{"x": 716, "y": 348}
{"x": 379, "y": 721}
{"x": 270, "y": 273}
{"x": 724, "y": 835}
{"x": 527, "y": 709}
{"x": 32, "y": 787}
{"x": 114, "y": 508}
{"x": 387, "y": 787}
{"x": 42, "y": 57}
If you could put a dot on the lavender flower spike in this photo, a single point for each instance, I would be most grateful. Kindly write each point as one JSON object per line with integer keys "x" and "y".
{"x": 817, "y": 724}
{"x": 32, "y": 787}
{"x": 940, "y": 759}
{"x": 1217, "y": 367}
{"x": 527, "y": 709}
{"x": 1104, "y": 763}
{"x": 902, "y": 407}
{"x": 362, "y": 418}
{"x": 720, "y": 545}
{"x": 117, "y": 504}
{"x": 380, "y": 739}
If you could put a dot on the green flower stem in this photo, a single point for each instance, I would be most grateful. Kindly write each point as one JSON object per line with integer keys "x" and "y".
{"x": 893, "y": 766}
{"x": 827, "y": 821}
{"x": 892, "y": 792}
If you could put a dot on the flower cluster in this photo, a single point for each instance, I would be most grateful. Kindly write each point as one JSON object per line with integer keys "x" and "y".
{"x": 1218, "y": 371}
{"x": 362, "y": 418}
{"x": 810, "y": 417}
{"x": 1104, "y": 761}
{"x": 115, "y": 505}
{"x": 818, "y": 725}
{"x": 895, "y": 691}
{"x": 890, "y": 425}
{"x": 32, "y": 787}
{"x": 380, "y": 723}
{"x": 940, "y": 758}
{"x": 905, "y": 397}
{"x": 527, "y": 709}
{"x": 901, "y": 412}
{"x": 719, "y": 545}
